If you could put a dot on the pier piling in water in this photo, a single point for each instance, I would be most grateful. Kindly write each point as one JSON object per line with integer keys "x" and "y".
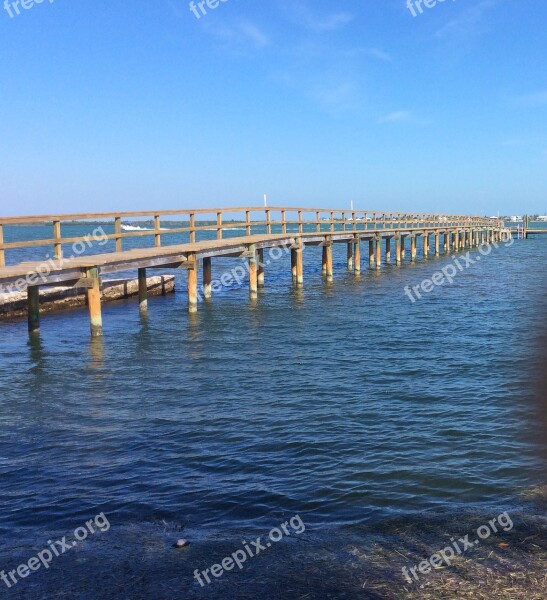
{"x": 260, "y": 276}
{"x": 193, "y": 286}
{"x": 350, "y": 256}
{"x": 94, "y": 303}
{"x": 33, "y": 301}
{"x": 378, "y": 244}
{"x": 300, "y": 265}
{"x": 207, "y": 278}
{"x": 253, "y": 271}
{"x": 357, "y": 256}
{"x": 330, "y": 273}
{"x": 143, "y": 291}
{"x": 388, "y": 250}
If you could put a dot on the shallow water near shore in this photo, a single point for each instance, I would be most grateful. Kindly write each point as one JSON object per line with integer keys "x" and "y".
{"x": 344, "y": 403}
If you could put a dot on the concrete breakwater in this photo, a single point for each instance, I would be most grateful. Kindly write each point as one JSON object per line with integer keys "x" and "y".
{"x": 52, "y": 299}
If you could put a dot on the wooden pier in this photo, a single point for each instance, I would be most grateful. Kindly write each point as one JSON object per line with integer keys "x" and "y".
{"x": 180, "y": 247}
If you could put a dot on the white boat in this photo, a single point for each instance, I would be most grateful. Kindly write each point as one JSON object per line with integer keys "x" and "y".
{"x": 134, "y": 228}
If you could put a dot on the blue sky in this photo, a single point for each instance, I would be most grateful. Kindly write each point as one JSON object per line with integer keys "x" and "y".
{"x": 140, "y": 105}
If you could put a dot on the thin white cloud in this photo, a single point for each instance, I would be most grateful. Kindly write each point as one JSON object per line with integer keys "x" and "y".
{"x": 254, "y": 33}
{"x": 301, "y": 13}
{"x": 379, "y": 54}
{"x": 402, "y": 116}
{"x": 240, "y": 34}
{"x": 336, "y": 98}
{"x": 536, "y": 99}
{"x": 468, "y": 21}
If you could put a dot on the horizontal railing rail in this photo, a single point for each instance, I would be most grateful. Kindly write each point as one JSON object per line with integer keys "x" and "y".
{"x": 193, "y": 222}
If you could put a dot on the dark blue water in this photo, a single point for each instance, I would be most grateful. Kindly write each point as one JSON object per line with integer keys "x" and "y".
{"x": 344, "y": 403}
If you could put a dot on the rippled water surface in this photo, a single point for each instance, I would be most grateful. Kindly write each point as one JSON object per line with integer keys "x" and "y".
{"x": 343, "y": 402}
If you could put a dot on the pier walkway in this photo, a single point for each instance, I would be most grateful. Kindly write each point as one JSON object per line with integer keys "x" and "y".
{"x": 277, "y": 227}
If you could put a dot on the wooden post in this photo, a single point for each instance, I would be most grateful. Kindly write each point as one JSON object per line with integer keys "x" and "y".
{"x": 118, "y": 232}
{"x": 412, "y": 247}
{"x": 2, "y": 251}
{"x": 378, "y": 252}
{"x": 350, "y": 256}
{"x": 57, "y": 236}
{"x": 371, "y": 253}
{"x": 426, "y": 244}
{"x": 94, "y": 303}
{"x": 260, "y": 276}
{"x": 324, "y": 262}
{"x": 143, "y": 291}
{"x": 253, "y": 272}
{"x": 33, "y": 306}
{"x": 357, "y": 256}
{"x": 330, "y": 272}
{"x": 293, "y": 264}
{"x": 157, "y": 234}
{"x": 283, "y": 221}
{"x": 192, "y": 228}
{"x": 403, "y": 247}
{"x": 192, "y": 284}
{"x": 219, "y": 225}
{"x": 398, "y": 240}
{"x": 248, "y": 222}
{"x": 437, "y": 243}
{"x": 446, "y": 241}
{"x": 300, "y": 265}
{"x": 388, "y": 250}
{"x": 268, "y": 222}
{"x": 207, "y": 278}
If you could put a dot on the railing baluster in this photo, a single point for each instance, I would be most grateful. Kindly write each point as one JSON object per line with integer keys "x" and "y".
{"x": 2, "y": 251}
{"x": 248, "y": 222}
{"x": 283, "y": 221}
{"x": 318, "y": 221}
{"x": 157, "y": 232}
{"x": 219, "y": 225}
{"x": 300, "y": 223}
{"x": 192, "y": 227}
{"x": 58, "y": 246}
{"x": 268, "y": 222}
{"x": 118, "y": 231}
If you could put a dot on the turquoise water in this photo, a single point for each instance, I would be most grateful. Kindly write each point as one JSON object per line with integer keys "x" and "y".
{"x": 344, "y": 403}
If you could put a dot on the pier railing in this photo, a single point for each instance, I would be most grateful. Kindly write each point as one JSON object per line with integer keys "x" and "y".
{"x": 194, "y": 223}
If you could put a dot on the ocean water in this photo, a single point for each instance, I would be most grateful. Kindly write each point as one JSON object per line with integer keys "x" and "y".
{"x": 344, "y": 403}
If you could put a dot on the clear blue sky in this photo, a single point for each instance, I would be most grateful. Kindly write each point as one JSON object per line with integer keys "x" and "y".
{"x": 140, "y": 105}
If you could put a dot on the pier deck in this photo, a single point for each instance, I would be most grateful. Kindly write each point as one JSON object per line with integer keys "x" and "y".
{"x": 324, "y": 228}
